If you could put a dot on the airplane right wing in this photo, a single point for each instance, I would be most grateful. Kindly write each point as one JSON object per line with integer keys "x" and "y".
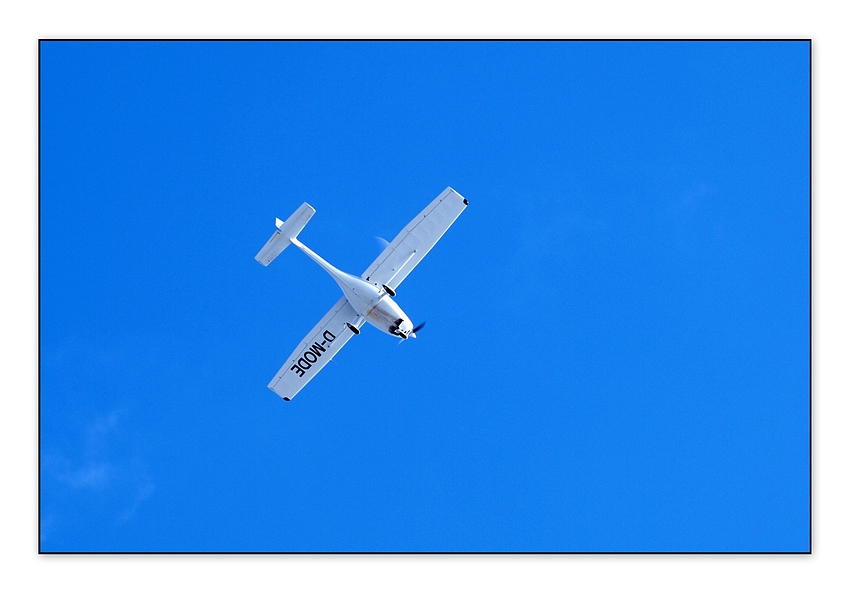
{"x": 415, "y": 240}
{"x": 318, "y": 347}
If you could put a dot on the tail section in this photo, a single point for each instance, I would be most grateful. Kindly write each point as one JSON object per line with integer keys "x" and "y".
{"x": 287, "y": 230}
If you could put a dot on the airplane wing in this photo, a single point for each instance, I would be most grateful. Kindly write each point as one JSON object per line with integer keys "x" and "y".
{"x": 410, "y": 246}
{"x": 318, "y": 347}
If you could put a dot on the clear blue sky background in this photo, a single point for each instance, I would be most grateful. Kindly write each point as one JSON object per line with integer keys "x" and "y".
{"x": 617, "y": 349}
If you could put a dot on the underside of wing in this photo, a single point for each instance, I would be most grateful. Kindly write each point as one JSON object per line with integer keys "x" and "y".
{"x": 317, "y": 348}
{"x": 415, "y": 240}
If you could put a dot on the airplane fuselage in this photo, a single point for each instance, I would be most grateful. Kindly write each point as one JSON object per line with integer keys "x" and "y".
{"x": 372, "y": 303}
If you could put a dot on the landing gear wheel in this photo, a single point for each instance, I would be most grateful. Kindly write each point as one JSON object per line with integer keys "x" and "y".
{"x": 353, "y": 328}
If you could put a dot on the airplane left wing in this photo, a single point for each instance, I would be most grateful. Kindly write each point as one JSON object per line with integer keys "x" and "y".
{"x": 318, "y": 347}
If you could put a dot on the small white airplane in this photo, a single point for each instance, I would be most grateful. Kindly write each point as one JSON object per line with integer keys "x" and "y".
{"x": 367, "y": 298}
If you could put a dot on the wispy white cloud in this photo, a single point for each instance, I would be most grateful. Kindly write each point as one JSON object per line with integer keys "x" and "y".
{"x": 93, "y": 476}
{"x": 143, "y": 491}
{"x": 100, "y": 428}
{"x": 47, "y": 526}
{"x": 104, "y": 468}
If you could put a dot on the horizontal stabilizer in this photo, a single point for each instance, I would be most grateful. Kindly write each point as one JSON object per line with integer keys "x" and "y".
{"x": 287, "y": 230}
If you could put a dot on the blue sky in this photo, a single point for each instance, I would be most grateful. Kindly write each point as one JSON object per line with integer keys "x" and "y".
{"x": 617, "y": 349}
